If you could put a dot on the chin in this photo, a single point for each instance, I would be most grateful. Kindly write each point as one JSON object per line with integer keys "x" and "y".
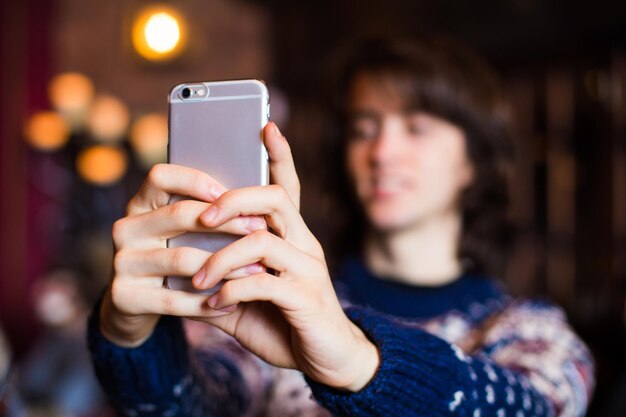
{"x": 389, "y": 221}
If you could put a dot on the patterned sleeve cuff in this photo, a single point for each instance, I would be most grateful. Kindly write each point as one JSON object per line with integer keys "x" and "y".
{"x": 146, "y": 373}
{"x": 419, "y": 373}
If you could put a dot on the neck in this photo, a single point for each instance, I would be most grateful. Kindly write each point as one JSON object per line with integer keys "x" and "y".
{"x": 423, "y": 254}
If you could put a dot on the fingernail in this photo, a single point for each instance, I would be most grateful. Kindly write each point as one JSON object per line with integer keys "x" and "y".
{"x": 229, "y": 309}
{"x": 226, "y": 310}
{"x": 199, "y": 277}
{"x": 213, "y": 300}
{"x": 254, "y": 269}
{"x": 255, "y": 223}
{"x": 209, "y": 215}
{"x": 276, "y": 130}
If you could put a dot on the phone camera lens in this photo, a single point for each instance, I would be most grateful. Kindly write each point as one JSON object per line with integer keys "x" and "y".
{"x": 186, "y": 93}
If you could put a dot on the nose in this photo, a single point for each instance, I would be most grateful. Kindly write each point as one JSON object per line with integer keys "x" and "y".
{"x": 386, "y": 147}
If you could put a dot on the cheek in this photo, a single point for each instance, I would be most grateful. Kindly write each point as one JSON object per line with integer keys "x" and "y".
{"x": 445, "y": 175}
{"x": 356, "y": 161}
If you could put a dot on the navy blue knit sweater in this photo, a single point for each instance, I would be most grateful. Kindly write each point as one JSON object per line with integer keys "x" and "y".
{"x": 463, "y": 349}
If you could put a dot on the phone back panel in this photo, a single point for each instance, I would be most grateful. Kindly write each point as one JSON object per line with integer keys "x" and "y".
{"x": 220, "y": 134}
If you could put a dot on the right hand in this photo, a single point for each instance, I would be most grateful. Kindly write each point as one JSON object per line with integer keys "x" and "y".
{"x": 135, "y": 298}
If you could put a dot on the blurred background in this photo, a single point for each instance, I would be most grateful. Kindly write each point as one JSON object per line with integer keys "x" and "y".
{"x": 83, "y": 116}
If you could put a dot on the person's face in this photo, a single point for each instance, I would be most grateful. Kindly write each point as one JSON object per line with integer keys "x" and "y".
{"x": 407, "y": 166}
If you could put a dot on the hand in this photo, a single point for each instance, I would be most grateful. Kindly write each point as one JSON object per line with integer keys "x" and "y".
{"x": 291, "y": 319}
{"x": 135, "y": 298}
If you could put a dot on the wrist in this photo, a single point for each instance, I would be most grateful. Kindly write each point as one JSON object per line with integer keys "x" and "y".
{"x": 124, "y": 330}
{"x": 366, "y": 361}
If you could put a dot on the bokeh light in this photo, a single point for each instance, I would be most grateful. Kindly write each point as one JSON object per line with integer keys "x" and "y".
{"x": 108, "y": 119}
{"x": 162, "y": 32}
{"x": 101, "y": 165}
{"x": 148, "y": 138}
{"x": 71, "y": 94}
{"x": 46, "y": 131}
{"x": 158, "y": 33}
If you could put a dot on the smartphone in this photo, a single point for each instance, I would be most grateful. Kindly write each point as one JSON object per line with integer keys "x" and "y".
{"x": 216, "y": 127}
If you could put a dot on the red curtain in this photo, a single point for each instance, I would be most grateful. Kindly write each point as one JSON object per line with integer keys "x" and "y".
{"x": 24, "y": 71}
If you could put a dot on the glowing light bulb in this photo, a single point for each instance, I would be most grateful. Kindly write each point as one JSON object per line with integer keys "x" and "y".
{"x": 158, "y": 33}
{"x": 162, "y": 32}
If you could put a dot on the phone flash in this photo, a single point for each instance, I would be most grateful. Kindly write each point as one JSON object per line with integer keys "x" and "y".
{"x": 200, "y": 92}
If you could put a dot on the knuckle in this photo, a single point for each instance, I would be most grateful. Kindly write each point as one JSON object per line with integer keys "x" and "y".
{"x": 117, "y": 231}
{"x": 168, "y": 304}
{"x": 130, "y": 207}
{"x": 180, "y": 258}
{"x": 261, "y": 238}
{"x": 156, "y": 173}
{"x": 178, "y": 210}
{"x": 279, "y": 191}
{"x": 120, "y": 262}
{"x": 118, "y": 292}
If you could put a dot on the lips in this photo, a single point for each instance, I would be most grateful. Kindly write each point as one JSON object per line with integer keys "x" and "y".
{"x": 387, "y": 187}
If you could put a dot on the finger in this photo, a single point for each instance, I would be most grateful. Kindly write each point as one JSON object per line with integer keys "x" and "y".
{"x": 162, "y": 301}
{"x": 182, "y": 261}
{"x": 262, "y": 247}
{"x": 270, "y": 201}
{"x": 163, "y": 180}
{"x": 260, "y": 287}
{"x": 282, "y": 167}
{"x": 154, "y": 227}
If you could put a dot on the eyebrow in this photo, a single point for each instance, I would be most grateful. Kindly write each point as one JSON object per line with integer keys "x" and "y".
{"x": 371, "y": 114}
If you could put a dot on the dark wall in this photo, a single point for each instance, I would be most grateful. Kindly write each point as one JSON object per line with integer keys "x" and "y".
{"x": 563, "y": 65}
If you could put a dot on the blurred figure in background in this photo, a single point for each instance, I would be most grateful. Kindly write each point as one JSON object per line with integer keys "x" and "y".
{"x": 56, "y": 379}
{"x": 421, "y": 162}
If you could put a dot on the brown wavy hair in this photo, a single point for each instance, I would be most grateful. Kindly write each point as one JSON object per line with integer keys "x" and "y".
{"x": 444, "y": 79}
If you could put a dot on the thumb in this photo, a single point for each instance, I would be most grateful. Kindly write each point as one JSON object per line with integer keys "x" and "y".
{"x": 282, "y": 168}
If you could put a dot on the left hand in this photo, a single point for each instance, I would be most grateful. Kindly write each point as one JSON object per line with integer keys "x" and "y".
{"x": 292, "y": 319}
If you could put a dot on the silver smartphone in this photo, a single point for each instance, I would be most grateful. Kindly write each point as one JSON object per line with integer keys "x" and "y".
{"x": 216, "y": 127}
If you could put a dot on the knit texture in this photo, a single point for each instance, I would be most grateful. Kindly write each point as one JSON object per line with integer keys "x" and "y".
{"x": 163, "y": 377}
{"x": 424, "y": 374}
{"x": 462, "y": 349}
{"x": 134, "y": 383}
{"x": 418, "y": 372}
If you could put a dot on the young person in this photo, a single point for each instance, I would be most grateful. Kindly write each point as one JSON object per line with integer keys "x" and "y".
{"x": 419, "y": 327}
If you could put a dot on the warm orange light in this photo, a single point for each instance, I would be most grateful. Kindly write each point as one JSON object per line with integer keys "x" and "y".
{"x": 101, "y": 165}
{"x": 46, "y": 131}
{"x": 71, "y": 94}
{"x": 108, "y": 119}
{"x": 158, "y": 33}
{"x": 148, "y": 137}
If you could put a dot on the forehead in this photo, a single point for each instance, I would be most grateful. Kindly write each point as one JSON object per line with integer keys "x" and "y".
{"x": 375, "y": 92}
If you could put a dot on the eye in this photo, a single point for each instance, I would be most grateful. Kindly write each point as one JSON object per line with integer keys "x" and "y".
{"x": 417, "y": 125}
{"x": 362, "y": 128}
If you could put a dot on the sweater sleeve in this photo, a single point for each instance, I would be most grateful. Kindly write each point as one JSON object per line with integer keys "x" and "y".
{"x": 164, "y": 377}
{"x": 533, "y": 343}
{"x": 421, "y": 374}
